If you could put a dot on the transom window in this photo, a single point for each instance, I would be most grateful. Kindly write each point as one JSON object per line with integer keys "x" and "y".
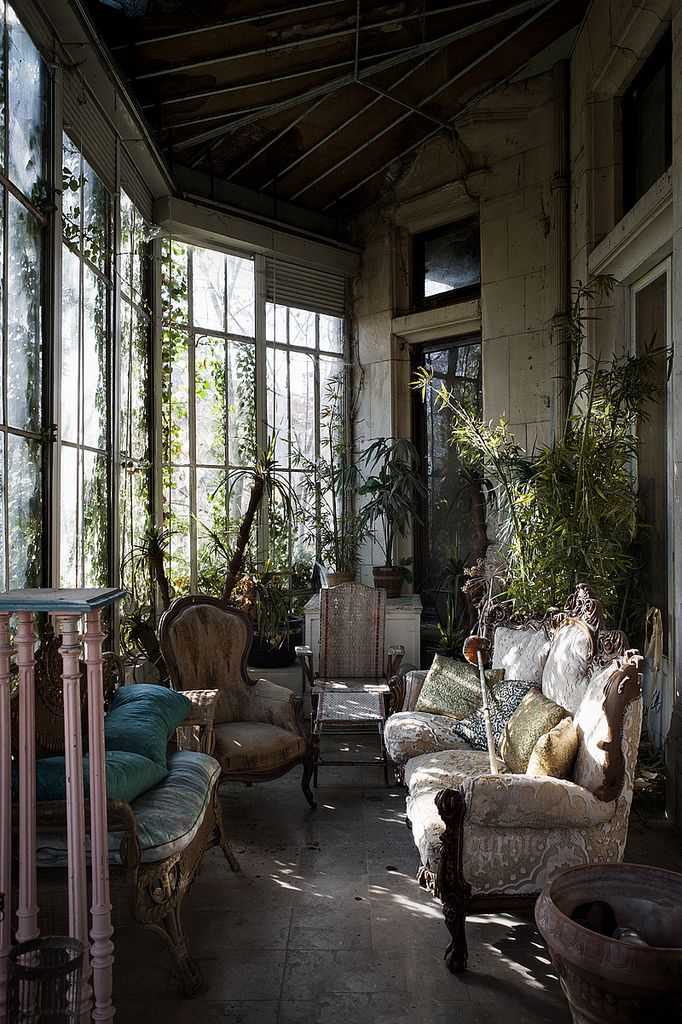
{"x": 647, "y": 124}
{"x": 446, "y": 264}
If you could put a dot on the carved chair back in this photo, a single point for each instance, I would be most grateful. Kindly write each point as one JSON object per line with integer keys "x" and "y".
{"x": 205, "y": 645}
{"x": 49, "y": 694}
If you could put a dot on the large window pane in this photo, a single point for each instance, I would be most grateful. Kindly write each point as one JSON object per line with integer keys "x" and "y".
{"x": 24, "y": 346}
{"x": 25, "y": 518}
{"x": 87, "y": 260}
{"x": 25, "y": 71}
{"x": 22, "y": 417}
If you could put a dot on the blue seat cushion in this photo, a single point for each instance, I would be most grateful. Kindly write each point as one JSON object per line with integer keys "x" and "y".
{"x": 168, "y": 816}
{"x": 142, "y": 718}
{"x": 127, "y": 774}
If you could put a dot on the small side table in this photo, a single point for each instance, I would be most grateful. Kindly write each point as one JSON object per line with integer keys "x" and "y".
{"x": 346, "y": 706}
{"x": 69, "y": 607}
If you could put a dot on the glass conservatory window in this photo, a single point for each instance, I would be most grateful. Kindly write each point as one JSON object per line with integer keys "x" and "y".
{"x": 87, "y": 287}
{"x": 24, "y": 200}
{"x": 305, "y": 352}
{"x": 209, "y": 411}
{"x": 226, "y": 391}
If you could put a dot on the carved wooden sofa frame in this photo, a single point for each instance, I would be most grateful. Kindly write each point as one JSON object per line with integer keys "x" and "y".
{"x": 144, "y": 893}
{"x": 449, "y": 882}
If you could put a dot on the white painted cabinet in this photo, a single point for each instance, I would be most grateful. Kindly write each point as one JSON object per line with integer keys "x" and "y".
{"x": 403, "y": 618}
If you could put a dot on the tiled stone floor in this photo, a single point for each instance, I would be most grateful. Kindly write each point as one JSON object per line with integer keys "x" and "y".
{"x": 325, "y": 923}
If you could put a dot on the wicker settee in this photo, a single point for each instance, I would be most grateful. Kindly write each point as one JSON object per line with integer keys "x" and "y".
{"x": 156, "y": 841}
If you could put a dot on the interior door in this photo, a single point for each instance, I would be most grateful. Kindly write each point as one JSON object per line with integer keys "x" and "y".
{"x": 650, "y": 318}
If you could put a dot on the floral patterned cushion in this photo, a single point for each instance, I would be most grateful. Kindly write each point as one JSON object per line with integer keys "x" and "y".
{"x": 520, "y": 652}
{"x": 411, "y": 733}
{"x": 168, "y": 816}
{"x": 503, "y": 700}
{"x": 446, "y": 769}
{"x": 569, "y": 662}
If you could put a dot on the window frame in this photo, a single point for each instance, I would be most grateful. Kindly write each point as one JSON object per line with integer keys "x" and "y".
{"x": 419, "y": 242}
{"x": 659, "y": 59}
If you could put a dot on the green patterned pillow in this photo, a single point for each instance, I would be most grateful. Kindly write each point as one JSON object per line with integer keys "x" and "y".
{"x": 453, "y": 688}
{"x": 534, "y": 716}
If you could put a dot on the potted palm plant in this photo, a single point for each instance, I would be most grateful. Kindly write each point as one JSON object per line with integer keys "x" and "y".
{"x": 393, "y": 489}
{"x": 330, "y": 485}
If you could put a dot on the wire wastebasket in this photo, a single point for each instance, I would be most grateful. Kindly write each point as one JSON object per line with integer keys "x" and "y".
{"x": 45, "y": 981}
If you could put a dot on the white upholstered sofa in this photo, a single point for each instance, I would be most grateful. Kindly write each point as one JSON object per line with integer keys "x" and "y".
{"x": 491, "y": 842}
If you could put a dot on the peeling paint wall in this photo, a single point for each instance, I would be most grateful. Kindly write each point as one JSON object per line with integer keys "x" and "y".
{"x": 500, "y": 167}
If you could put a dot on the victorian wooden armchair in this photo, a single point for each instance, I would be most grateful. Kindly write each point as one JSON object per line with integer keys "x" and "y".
{"x": 258, "y": 731}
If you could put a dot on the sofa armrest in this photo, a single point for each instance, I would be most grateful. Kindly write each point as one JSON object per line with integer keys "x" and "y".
{"x": 277, "y": 705}
{"x": 305, "y": 656}
{"x": 405, "y": 690}
{"x": 525, "y": 801}
{"x": 195, "y": 732}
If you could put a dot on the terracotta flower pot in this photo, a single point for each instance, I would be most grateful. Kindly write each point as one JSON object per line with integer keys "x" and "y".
{"x": 389, "y": 578}
{"x": 607, "y": 979}
{"x": 334, "y": 579}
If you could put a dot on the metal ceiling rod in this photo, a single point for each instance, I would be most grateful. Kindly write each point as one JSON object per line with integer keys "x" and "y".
{"x": 257, "y": 114}
{"x": 246, "y": 19}
{"x": 270, "y": 142}
{"x": 275, "y": 80}
{"x": 270, "y": 48}
{"x": 467, "y": 106}
{"x": 344, "y": 124}
{"x": 408, "y": 106}
{"x": 250, "y": 19}
{"x": 392, "y": 57}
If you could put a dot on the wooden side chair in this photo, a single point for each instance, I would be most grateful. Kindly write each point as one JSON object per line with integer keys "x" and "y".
{"x": 349, "y": 688}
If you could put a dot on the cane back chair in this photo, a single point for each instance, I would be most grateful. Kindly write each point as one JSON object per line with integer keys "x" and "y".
{"x": 349, "y": 689}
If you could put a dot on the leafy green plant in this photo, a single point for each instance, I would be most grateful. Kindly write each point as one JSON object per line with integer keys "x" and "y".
{"x": 330, "y": 485}
{"x": 567, "y": 512}
{"x": 393, "y": 489}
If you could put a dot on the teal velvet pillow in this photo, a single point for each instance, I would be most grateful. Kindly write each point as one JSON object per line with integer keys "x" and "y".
{"x": 142, "y": 718}
{"x": 128, "y": 775}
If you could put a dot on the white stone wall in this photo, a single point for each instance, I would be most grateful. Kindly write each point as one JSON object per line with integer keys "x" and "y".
{"x": 502, "y": 169}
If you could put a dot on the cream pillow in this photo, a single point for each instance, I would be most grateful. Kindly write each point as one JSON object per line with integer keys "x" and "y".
{"x": 555, "y": 752}
{"x": 520, "y": 652}
{"x": 534, "y": 716}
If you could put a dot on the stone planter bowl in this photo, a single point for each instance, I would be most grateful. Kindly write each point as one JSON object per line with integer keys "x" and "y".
{"x": 606, "y": 979}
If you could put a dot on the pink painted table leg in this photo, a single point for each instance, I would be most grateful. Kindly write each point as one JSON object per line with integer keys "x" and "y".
{"x": 75, "y": 814}
{"x": 102, "y": 948}
{"x": 5, "y": 808}
{"x": 27, "y": 905}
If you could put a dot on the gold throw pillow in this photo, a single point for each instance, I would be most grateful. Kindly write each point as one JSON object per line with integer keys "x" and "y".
{"x": 534, "y": 716}
{"x": 554, "y": 753}
{"x": 453, "y": 687}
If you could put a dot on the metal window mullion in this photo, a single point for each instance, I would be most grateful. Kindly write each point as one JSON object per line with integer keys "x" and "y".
{"x": 191, "y": 416}
{"x": 80, "y": 385}
{"x": 114, "y": 398}
{"x": 261, "y": 404}
{"x": 53, "y": 333}
{"x": 155, "y": 377}
{"x": 317, "y": 441}
{"x": 5, "y": 299}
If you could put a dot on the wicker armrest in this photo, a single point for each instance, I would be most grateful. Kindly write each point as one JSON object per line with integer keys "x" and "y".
{"x": 396, "y": 653}
{"x": 305, "y": 656}
{"x": 196, "y": 730}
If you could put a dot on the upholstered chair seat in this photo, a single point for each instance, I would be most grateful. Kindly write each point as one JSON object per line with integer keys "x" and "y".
{"x": 259, "y": 731}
